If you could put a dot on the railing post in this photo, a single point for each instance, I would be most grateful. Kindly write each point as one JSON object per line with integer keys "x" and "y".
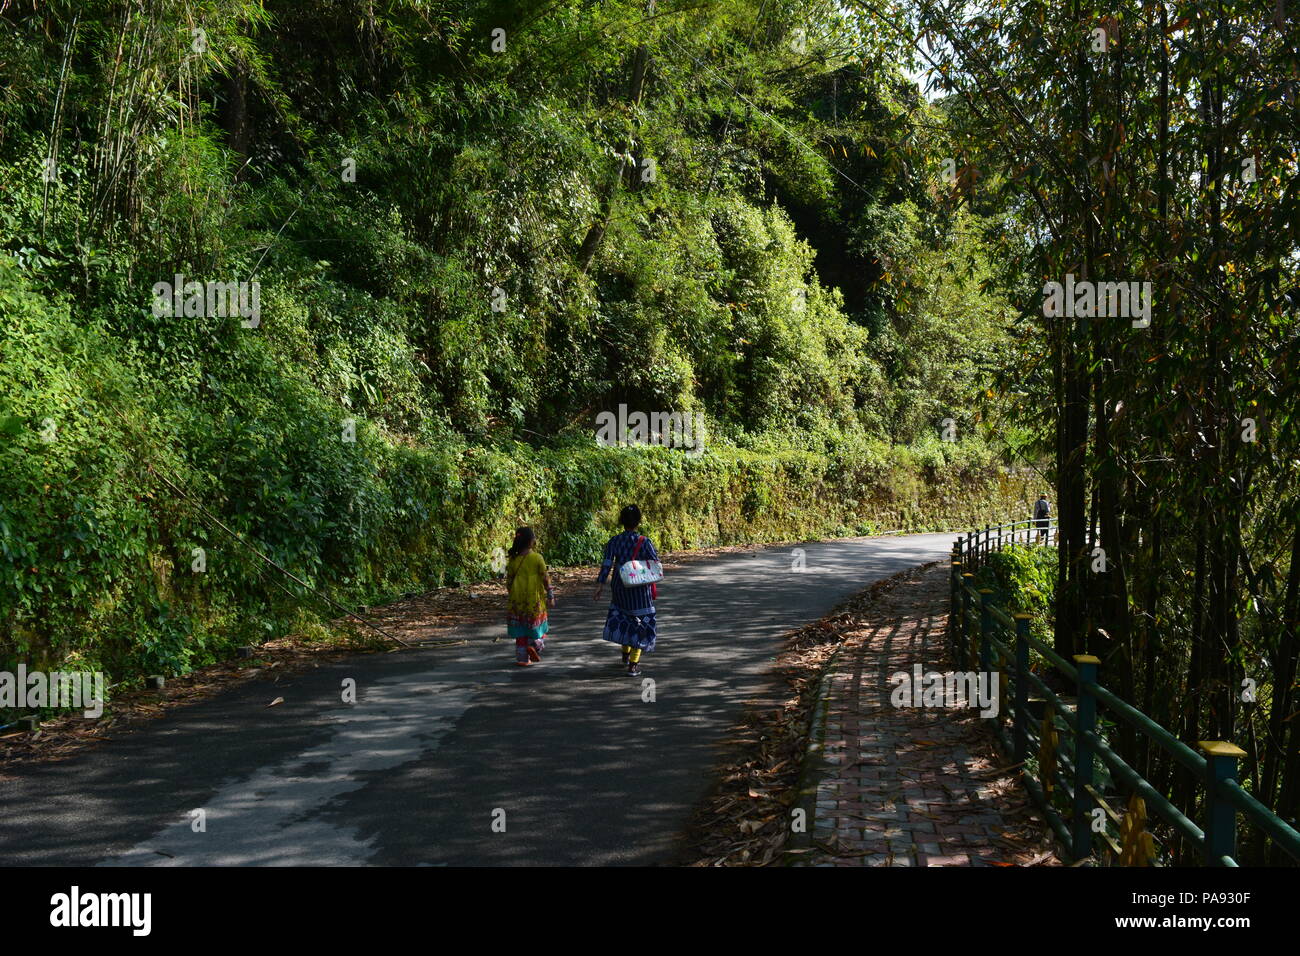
{"x": 1220, "y": 815}
{"x": 1021, "y": 728}
{"x": 1086, "y": 724}
{"x": 986, "y": 626}
{"x": 999, "y": 537}
{"x": 954, "y": 582}
{"x": 987, "y": 538}
{"x": 966, "y": 579}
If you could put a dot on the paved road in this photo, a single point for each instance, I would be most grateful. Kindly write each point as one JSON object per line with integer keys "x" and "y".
{"x": 442, "y": 743}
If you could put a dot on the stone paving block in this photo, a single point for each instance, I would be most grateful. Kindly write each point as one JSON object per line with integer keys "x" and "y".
{"x": 894, "y": 816}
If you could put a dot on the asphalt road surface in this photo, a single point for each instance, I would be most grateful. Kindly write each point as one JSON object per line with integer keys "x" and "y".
{"x": 454, "y": 756}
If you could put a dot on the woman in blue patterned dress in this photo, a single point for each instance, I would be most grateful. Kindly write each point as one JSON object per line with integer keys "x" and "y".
{"x": 631, "y": 619}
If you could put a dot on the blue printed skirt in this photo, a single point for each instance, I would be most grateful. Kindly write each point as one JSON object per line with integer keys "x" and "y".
{"x": 623, "y": 627}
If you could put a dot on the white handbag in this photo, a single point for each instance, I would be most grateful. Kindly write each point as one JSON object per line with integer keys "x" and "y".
{"x": 634, "y": 573}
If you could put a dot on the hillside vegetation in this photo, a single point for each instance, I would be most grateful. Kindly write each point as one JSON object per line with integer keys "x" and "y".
{"x": 473, "y": 227}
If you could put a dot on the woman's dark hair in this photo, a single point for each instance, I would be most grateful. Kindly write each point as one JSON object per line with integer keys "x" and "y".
{"x": 630, "y": 517}
{"x": 523, "y": 538}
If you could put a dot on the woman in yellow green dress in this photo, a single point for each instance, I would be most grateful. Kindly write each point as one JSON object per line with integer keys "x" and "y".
{"x": 530, "y": 593}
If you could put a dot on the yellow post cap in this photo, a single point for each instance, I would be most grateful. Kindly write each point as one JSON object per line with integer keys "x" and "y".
{"x": 1220, "y": 748}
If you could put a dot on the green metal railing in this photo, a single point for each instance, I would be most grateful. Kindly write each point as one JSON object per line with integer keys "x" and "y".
{"x": 983, "y": 634}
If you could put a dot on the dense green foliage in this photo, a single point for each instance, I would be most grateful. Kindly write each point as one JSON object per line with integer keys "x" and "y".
{"x": 1022, "y": 578}
{"x": 463, "y": 257}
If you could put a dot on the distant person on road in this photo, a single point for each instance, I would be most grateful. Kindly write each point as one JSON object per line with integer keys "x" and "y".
{"x": 530, "y": 594}
{"x": 631, "y": 619}
{"x": 1042, "y": 511}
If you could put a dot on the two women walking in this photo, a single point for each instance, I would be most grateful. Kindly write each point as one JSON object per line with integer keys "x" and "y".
{"x": 630, "y": 622}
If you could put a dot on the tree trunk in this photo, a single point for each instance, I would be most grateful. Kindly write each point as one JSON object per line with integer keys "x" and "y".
{"x": 596, "y": 233}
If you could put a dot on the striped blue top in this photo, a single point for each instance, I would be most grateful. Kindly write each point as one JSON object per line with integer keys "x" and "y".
{"x": 635, "y": 600}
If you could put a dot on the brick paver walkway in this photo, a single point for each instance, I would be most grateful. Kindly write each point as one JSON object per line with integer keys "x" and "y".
{"x": 912, "y": 786}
